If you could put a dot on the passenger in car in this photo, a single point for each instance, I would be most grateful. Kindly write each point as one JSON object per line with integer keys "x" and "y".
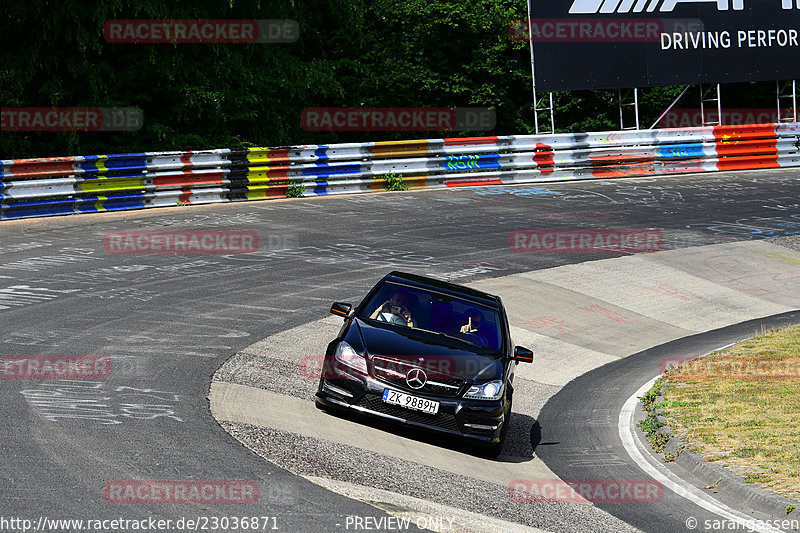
{"x": 476, "y": 325}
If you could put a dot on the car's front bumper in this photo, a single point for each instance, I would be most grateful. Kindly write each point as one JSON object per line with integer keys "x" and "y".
{"x": 478, "y": 420}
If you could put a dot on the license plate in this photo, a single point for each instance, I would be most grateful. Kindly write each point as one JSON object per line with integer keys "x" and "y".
{"x": 410, "y": 402}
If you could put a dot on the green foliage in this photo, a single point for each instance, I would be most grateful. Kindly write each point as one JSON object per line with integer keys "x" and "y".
{"x": 351, "y": 53}
{"x": 194, "y": 96}
{"x": 295, "y": 191}
{"x": 650, "y": 427}
{"x": 649, "y": 398}
{"x": 394, "y": 182}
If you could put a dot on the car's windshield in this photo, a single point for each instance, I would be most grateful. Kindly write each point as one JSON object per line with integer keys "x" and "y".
{"x": 435, "y": 312}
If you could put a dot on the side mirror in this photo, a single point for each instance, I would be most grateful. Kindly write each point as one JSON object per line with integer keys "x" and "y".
{"x": 341, "y": 309}
{"x": 523, "y": 355}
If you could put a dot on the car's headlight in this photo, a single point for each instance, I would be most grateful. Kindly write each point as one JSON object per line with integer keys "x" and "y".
{"x": 346, "y": 355}
{"x": 492, "y": 390}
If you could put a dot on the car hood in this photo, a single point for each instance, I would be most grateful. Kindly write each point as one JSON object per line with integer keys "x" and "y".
{"x": 439, "y": 356}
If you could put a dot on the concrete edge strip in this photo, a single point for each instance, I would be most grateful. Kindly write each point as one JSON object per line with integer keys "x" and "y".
{"x": 636, "y": 450}
{"x": 422, "y": 513}
{"x": 728, "y": 483}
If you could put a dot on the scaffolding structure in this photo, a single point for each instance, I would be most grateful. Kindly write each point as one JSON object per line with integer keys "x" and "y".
{"x": 711, "y": 96}
{"x": 545, "y": 103}
{"x": 628, "y": 99}
{"x": 787, "y": 101}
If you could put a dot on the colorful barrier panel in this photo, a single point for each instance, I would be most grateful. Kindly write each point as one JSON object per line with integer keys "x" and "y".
{"x": 86, "y": 184}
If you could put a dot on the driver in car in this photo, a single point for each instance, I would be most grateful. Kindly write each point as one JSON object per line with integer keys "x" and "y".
{"x": 397, "y": 306}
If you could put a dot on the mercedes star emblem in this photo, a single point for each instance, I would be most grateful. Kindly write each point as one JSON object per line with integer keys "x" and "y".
{"x": 416, "y": 378}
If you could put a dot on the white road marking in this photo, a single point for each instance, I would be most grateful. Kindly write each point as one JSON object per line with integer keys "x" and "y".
{"x": 634, "y": 447}
{"x": 598, "y": 194}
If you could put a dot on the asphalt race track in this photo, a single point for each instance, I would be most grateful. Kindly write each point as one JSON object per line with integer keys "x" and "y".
{"x": 168, "y": 322}
{"x": 610, "y": 386}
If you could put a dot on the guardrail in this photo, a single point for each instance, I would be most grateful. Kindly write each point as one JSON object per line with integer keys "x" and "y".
{"x": 85, "y": 184}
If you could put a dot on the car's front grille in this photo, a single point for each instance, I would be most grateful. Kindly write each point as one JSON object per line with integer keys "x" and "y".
{"x": 440, "y": 420}
{"x": 394, "y": 372}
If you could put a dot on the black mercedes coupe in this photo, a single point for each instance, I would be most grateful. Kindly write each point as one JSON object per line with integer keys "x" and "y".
{"x": 428, "y": 354}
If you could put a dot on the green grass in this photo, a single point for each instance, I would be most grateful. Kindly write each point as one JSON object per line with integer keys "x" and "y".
{"x": 741, "y": 406}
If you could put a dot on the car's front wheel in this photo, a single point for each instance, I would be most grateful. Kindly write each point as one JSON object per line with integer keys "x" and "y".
{"x": 494, "y": 449}
{"x": 317, "y": 402}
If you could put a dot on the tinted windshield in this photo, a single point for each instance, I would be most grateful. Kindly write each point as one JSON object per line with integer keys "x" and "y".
{"x": 432, "y": 311}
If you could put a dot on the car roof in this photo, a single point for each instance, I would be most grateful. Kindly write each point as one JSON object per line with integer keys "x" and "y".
{"x": 451, "y": 289}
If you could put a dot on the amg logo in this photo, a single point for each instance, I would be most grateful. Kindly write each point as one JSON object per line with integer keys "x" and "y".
{"x": 586, "y": 7}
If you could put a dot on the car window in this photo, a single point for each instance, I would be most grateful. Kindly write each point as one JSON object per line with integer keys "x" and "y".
{"x": 419, "y": 309}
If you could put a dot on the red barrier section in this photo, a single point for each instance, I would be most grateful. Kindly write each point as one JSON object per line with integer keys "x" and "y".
{"x": 39, "y": 168}
{"x": 746, "y": 147}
